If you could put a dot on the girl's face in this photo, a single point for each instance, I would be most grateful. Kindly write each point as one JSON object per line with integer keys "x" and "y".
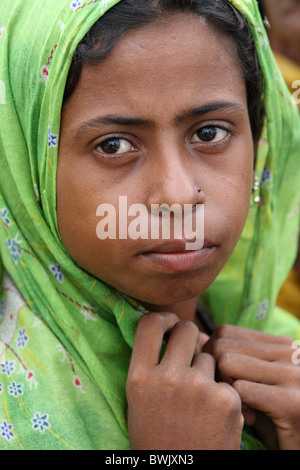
{"x": 162, "y": 116}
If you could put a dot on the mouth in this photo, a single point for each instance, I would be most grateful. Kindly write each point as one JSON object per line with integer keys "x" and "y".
{"x": 174, "y": 257}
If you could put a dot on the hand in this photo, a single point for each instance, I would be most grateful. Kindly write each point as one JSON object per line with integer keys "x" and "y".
{"x": 175, "y": 403}
{"x": 260, "y": 368}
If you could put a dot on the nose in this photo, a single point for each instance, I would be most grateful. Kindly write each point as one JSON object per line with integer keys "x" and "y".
{"x": 175, "y": 179}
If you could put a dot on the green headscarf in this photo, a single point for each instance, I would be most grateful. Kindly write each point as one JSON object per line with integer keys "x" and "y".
{"x": 66, "y": 337}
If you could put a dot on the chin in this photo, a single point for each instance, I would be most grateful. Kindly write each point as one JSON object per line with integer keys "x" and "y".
{"x": 172, "y": 293}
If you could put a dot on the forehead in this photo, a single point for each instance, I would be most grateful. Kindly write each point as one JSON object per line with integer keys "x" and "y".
{"x": 162, "y": 66}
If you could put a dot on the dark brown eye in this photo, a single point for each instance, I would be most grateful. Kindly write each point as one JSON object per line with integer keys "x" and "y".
{"x": 114, "y": 145}
{"x": 209, "y": 134}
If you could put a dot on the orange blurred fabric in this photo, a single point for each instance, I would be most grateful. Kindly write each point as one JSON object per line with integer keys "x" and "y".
{"x": 289, "y": 296}
{"x": 290, "y": 71}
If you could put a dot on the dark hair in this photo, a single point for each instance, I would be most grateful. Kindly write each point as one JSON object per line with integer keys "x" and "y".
{"x": 133, "y": 14}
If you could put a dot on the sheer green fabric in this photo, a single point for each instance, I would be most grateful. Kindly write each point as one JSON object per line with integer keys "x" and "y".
{"x": 66, "y": 337}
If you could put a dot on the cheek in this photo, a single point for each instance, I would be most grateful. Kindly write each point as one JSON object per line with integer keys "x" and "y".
{"x": 76, "y": 208}
{"x": 228, "y": 198}
{"x": 79, "y": 194}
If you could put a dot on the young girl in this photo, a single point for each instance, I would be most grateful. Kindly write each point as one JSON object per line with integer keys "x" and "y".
{"x": 103, "y": 345}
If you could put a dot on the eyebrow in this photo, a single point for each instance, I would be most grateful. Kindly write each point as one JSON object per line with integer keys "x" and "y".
{"x": 109, "y": 119}
{"x": 114, "y": 119}
{"x": 208, "y": 108}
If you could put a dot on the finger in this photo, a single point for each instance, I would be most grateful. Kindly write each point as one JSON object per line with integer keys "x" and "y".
{"x": 233, "y": 366}
{"x": 249, "y": 415}
{"x": 265, "y": 351}
{"x": 149, "y": 338}
{"x": 235, "y": 332}
{"x": 203, "y": 338}
{"x": 205, "y": 364}
{"x": 182, "y": 344}
{"x": 261, "y": 397}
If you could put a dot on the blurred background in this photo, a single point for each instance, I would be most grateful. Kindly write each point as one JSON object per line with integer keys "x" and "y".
{"x": 282, "y": 20}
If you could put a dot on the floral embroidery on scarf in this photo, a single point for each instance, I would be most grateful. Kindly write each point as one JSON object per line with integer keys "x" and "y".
{"x": 266, "y": 176}
{"x": 40, "y": 422}
{"x": 56, "y": 271}
{"x": 14, "y": 249}
{"x": 45, "y": 69}
{"x": 4, "y": 216}
{"x": 51, "y": 55}
{"x": 45, "y": 73}
{"x": 22, "y": 339}
{"x": 75, "y": 4}
{"x": 87, "y": 316}
{"x": 78, "y": 4}
{"x": 7, "y": 431}
{"x": 15, "y": 389}
{"x": 8, "y": 367}
{"x": 77, "y": 382}
{"x": 86, "y": 307}
{"x": 30, "y": 379}
{"x": 262, "y": 310}
{"x": 52, "y": 138}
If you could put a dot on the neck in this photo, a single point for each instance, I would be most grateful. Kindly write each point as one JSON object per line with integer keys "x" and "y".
{"x": 184, "y": 310}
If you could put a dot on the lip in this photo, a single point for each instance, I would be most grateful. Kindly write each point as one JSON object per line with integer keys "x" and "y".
{"x": 173, "y": 256}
